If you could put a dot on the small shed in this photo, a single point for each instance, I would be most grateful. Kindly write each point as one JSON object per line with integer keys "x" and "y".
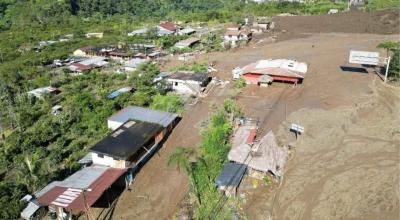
{"x": 120, "y": 91}
{"x": 230, "y": 177}
{"x": 94, "y": 35}
{"x": 56, "y": 110}
{"x": 187, "y": 31}
{"x": 265, "y": 156}
{"x": 133, "y": 64}
{"x": 33, "y": 211}
{"x": 187, "y": 42}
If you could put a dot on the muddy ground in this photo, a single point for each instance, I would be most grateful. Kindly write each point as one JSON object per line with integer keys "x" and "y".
{"x": 344, "y": 167}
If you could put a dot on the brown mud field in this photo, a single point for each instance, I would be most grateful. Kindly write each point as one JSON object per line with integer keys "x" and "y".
{"x": 345, "y": 166}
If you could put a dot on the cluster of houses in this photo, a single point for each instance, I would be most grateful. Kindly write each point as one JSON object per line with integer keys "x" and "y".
{"x": 164, "y": 29}
{"x": 91, "y": 57}
{"x": 257, "y": 158}
{"x": 111, "y": 163}
{"x": 138, "y": 132}
{"x": 42, "y": 44}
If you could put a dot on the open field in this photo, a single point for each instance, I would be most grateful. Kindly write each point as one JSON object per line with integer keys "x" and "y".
{"x": 345, "y": 166}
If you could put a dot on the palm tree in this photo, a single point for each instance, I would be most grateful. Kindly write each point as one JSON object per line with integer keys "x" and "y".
{"x": 181, "y": 159}
{"x": 28, "y": 171}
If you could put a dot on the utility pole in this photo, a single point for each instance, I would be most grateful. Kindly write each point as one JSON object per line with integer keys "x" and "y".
{"x": 89, "y": 215}
{"x": 387, "y": 68}
{"x": 348, "y": 5}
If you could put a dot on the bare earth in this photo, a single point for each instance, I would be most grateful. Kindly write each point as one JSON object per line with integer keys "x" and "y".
{"x": 346, "y": 165}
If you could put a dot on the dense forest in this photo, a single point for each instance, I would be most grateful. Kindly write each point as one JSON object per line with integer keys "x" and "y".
{"x": 35, "y": 146}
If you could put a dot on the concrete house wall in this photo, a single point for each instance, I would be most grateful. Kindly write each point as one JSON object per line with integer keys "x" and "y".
{"x": 185, "y": 86}
{"x": 108, "y": 161}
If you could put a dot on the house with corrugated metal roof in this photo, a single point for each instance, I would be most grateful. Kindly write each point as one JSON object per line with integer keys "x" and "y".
{"x": 78, "y": 192}
{"x": 128, "y": 145}
{"x": 137, "y": 132}
{"x": 230, "y": 177}
{"x": 188, "y": 83}
{"x": 278, "y": 70}
{"x": 187, "y": 43}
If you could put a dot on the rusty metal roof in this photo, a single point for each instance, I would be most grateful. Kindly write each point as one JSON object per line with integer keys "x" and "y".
{"x": 72, "y": 199}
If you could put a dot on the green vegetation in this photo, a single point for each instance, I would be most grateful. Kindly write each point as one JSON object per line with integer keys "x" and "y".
{"x": 389, "y": 46}
{"x": 195, "y": 67}
{"x": 266, "y": 180}
{"x": 392, "y": 50}
{"x": 213, "y": 152}
{"x": 394, "y": 67}
{"x": 43, "y": 147}
{"x": 240, "y": 83}
{"x": 168, "y": 103}
{"x": 310, "y": 7}
{"x": 382, "y": 4}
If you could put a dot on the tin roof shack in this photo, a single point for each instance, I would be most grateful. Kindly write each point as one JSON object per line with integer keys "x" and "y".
{"x": 245, "y": 131}
{"x": 41, "y": 92}
{"x": 128, "y": 145}
{"x": 187, "y": 31}
{"x": 94, "y": 35}
{"x": 121, "y": 91}
{"x": 189, "y": 83}
{"x": 33, "y": 210}
{"x": 79, "y": 191}
{"x": 88, "y": 64}
{"x": 265, "y": 156}
{"x": 142, "y": 31}
{"x": 119, "y": 55}
{"x": 56, "y": 110}
{"x": 187, "y": 43}
{"x": 230, "y": 177}
{"x": 165, "y": 119}
{"x": 280, "y": 70}
{"x": 132, "y": 64}
{"x": 169, "y": 26}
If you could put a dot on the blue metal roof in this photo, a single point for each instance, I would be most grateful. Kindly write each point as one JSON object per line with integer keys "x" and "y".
{"x": 144, "y": 114}
{"x": 231, "y": 175}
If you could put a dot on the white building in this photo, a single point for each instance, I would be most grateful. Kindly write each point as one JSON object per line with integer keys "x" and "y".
{"x": 232, "y": 37}
{"x": 40, "y": 92}
{"x": 136, "y": 133}
{"x": 188, "y": 83}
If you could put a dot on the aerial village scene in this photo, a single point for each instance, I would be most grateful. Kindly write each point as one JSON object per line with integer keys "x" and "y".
{"x": 229, "y": 109}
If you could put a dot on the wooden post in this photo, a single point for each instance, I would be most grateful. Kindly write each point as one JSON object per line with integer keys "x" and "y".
{"x": 387, "y": 69}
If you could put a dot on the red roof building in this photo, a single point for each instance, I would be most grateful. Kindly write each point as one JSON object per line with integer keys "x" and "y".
{"x": 279, "y": 70}
{"x": 169, "y": 26}
{"x": 73, "y": 199}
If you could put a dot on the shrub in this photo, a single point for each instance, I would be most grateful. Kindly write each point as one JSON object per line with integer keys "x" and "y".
{"x": 240, "y": 83}
{"x": 394, "y": 67}
{"x": 168, "y": 103}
